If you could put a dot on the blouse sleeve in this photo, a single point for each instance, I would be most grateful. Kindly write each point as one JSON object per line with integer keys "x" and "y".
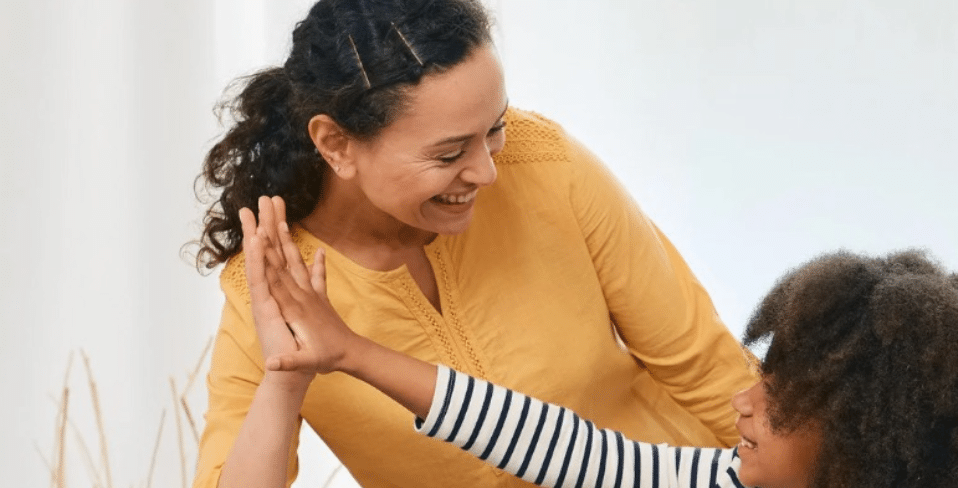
{"x": 549, "y": 445}
{"x": 231, "y": 384}
{"x": 661, "y": 311}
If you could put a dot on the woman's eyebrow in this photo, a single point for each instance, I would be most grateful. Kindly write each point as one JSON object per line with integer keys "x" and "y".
{"x": 465, "y": 137}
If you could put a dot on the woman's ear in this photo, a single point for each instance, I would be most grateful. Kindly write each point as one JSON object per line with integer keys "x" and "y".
{"x": 333, "y": 144}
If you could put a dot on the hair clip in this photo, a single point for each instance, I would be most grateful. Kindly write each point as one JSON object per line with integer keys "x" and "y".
{"x": 360, "y": 61}
{"x": 408, "y": 45}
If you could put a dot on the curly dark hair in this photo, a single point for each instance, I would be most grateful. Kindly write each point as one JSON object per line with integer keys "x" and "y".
{"x": 867, "y": 348}
{"x": 352, "y": 60}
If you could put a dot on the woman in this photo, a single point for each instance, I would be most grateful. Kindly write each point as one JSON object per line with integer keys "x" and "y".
{"x": 384, "y": 134}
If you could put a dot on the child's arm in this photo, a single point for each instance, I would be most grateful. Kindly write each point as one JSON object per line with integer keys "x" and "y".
{"x": 552, "y": 446}
{"x": 538, "y": 442}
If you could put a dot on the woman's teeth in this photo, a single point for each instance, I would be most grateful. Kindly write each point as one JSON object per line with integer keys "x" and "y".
{"x": 453, "y": 199}
{"x": 747, "y": 444}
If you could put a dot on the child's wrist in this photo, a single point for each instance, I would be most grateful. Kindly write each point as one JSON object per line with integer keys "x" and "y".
{"x": 355, "y": 355}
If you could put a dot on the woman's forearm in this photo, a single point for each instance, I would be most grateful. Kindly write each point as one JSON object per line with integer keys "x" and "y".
{"x": 260, "y": 455}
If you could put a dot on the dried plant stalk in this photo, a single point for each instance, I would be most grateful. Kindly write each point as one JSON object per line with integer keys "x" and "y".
{"x": 189, "y": 419}
{"x": 61, "y": 440}
{"x": 58, "y": 437}
{"x": 56, "y": 443}
{"x": 179, "y": 431}
{"x": 156, "y": 450}
{"x": 56, "y": 464}
{"x": 199, "y": 364}
{"x": 87, "y": 457}
{"x": 43, "y": 457}
{"x": 189, "y": 384}
{"x": 104, "y": 450}
{"x": 332, "y": 476}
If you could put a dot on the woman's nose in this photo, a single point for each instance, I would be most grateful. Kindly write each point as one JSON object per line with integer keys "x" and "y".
{"x": 481, "y": 171}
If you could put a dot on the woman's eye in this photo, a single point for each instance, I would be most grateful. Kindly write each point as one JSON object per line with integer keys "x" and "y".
{"x": 497, "y": 128}
{"x": 452, "y": 158}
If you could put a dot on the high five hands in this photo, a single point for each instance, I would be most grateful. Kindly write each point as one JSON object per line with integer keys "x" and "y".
{"x": 299, "y": 330}
{"x": 297, "y": 326}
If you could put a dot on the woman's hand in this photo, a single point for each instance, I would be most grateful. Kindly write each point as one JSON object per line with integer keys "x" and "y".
{"x": 321, "y": 337}
{"x": 274, "y": 335}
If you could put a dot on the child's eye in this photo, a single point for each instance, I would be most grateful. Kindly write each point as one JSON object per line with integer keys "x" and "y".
{"x": 497, "y": 128}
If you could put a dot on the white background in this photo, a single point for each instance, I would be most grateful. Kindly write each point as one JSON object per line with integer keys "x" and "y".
{"x": 756, "y": 134}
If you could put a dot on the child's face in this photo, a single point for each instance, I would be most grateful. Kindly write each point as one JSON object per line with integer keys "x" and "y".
{"x": 769, "y": 459}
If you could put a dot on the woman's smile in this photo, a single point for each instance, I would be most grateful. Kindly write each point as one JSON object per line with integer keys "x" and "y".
{"x": 456, "y": 198}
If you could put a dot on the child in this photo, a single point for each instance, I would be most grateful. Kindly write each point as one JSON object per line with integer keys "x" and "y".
{"x": 859, "y": 387}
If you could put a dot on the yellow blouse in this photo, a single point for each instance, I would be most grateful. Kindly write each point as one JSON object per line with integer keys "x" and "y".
{"x": 561, "y": 289}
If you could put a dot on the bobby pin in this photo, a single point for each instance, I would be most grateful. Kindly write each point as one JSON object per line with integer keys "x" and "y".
{"x": 360, "y": 61}
{"x": 406, "y": 42}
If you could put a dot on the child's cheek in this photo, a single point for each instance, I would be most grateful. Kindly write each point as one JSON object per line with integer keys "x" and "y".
{"x": 749, "y": 472}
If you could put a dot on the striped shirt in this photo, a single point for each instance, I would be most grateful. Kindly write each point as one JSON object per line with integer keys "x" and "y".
{"x": 551, "y": 446}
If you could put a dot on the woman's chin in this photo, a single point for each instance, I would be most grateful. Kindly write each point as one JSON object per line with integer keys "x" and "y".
{"x": 449, "y": 219}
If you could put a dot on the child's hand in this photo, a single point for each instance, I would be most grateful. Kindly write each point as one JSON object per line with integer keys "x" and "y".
{"x": 274, "y": 336}
{"x": 298, "y": 328}
{"x": 322, "y": 338}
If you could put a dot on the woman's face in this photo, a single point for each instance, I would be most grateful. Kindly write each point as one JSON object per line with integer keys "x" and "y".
{"x": 425, "y": 168}
{"x": 769, "y": 459}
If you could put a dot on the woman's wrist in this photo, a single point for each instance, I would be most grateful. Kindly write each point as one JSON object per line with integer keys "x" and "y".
{"x": 293, "y": 383}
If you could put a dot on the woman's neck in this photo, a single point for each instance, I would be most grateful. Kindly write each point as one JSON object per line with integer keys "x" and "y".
{"x": 346, "y": 220}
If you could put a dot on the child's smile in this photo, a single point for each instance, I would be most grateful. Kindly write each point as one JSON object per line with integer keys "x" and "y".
{"x": 772, "y": 459}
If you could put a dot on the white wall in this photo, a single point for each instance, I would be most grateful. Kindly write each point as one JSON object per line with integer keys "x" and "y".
{"x": 755, "y": 133}
{"x": 105, "y": 117}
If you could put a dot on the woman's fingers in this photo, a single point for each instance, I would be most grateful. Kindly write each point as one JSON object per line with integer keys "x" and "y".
{"x": 279, "y": 209}
{"x": 253, "y": 248}
{"x": 268, "y": 222}
{"x": 247, "y": 222}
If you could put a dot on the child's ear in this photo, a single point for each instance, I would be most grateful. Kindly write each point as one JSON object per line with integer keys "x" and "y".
{"x": 334, "y": 144}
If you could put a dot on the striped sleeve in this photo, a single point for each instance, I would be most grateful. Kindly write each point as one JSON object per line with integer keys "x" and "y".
{"x": 551, "y": 446}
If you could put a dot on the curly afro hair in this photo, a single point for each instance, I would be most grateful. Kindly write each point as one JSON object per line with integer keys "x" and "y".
{"x": 866, "y": 348}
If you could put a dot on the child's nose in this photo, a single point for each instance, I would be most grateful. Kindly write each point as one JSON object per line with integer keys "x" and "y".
{"x": 742, "y": 402}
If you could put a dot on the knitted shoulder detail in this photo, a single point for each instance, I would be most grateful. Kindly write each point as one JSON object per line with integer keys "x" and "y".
{"x": 233, "y": 276}
{"x": 532, "y": 138}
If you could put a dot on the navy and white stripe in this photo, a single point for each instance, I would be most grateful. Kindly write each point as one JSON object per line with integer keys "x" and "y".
{"x": 551, "y": 446}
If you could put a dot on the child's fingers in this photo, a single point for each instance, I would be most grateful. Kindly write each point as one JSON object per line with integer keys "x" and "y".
{"x": 273, "y": 255}
{"x": 284, "y": 291}
{"x": 282, "y": 272}
{"x": 317, "y": 272}
{"x": 294, "y": 261}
